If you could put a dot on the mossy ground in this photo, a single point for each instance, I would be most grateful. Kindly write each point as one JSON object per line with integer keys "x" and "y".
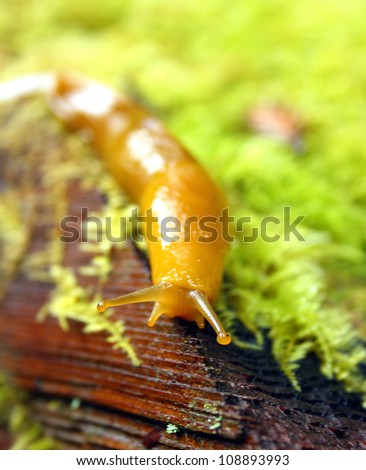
{"x": 202, "y": 66}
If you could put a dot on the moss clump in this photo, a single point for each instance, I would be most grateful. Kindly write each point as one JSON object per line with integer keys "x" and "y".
{"x": 66, "y": 161}
{"x": 15, "y": 415}
{"x": 13, "y": 238}
{"x": 281, "y": 289}
{"x": 171, "y": 429}
{"x": 70, "y": 301}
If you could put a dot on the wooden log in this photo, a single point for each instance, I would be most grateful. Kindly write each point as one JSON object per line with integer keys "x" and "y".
{"x": 217, "y": 397}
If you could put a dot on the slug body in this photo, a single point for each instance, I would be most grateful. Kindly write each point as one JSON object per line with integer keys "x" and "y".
{"x": 167, "y": 184}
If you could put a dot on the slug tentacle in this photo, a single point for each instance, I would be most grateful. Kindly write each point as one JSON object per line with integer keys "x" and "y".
{"x": 203, "y": 305}
{"x": 173, "y": 301}
{"x": 149, "y": 294}
{"x": 157, "y": 311}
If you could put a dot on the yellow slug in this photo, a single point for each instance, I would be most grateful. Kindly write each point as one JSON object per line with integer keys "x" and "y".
{"x": 166, "y": 182}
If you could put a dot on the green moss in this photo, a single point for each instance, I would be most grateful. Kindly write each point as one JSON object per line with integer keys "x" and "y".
{"x": 217, "y": 422}
{"x": 13, "y": 237}
{"x": 171, "y": 429}
{"x": 281, "y": 289}
{"x": 69, "y": 300}
{"x": 209, "y": 407}
{"x": 214, "y": 422}
{"x": 15, "y": 415}
{"x": 60, "y": 167}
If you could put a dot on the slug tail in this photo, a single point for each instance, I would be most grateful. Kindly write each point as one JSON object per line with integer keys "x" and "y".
{"x": 28, "y": 85}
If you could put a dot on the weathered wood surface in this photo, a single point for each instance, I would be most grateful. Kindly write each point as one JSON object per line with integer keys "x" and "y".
{"x": 219, "y": 397}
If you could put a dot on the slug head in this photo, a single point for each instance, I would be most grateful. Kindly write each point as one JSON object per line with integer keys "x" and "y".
{"x": 174, "y": 301}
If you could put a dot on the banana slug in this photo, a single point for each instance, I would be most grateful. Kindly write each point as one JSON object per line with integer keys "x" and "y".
{"x": 160, "y": 176}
